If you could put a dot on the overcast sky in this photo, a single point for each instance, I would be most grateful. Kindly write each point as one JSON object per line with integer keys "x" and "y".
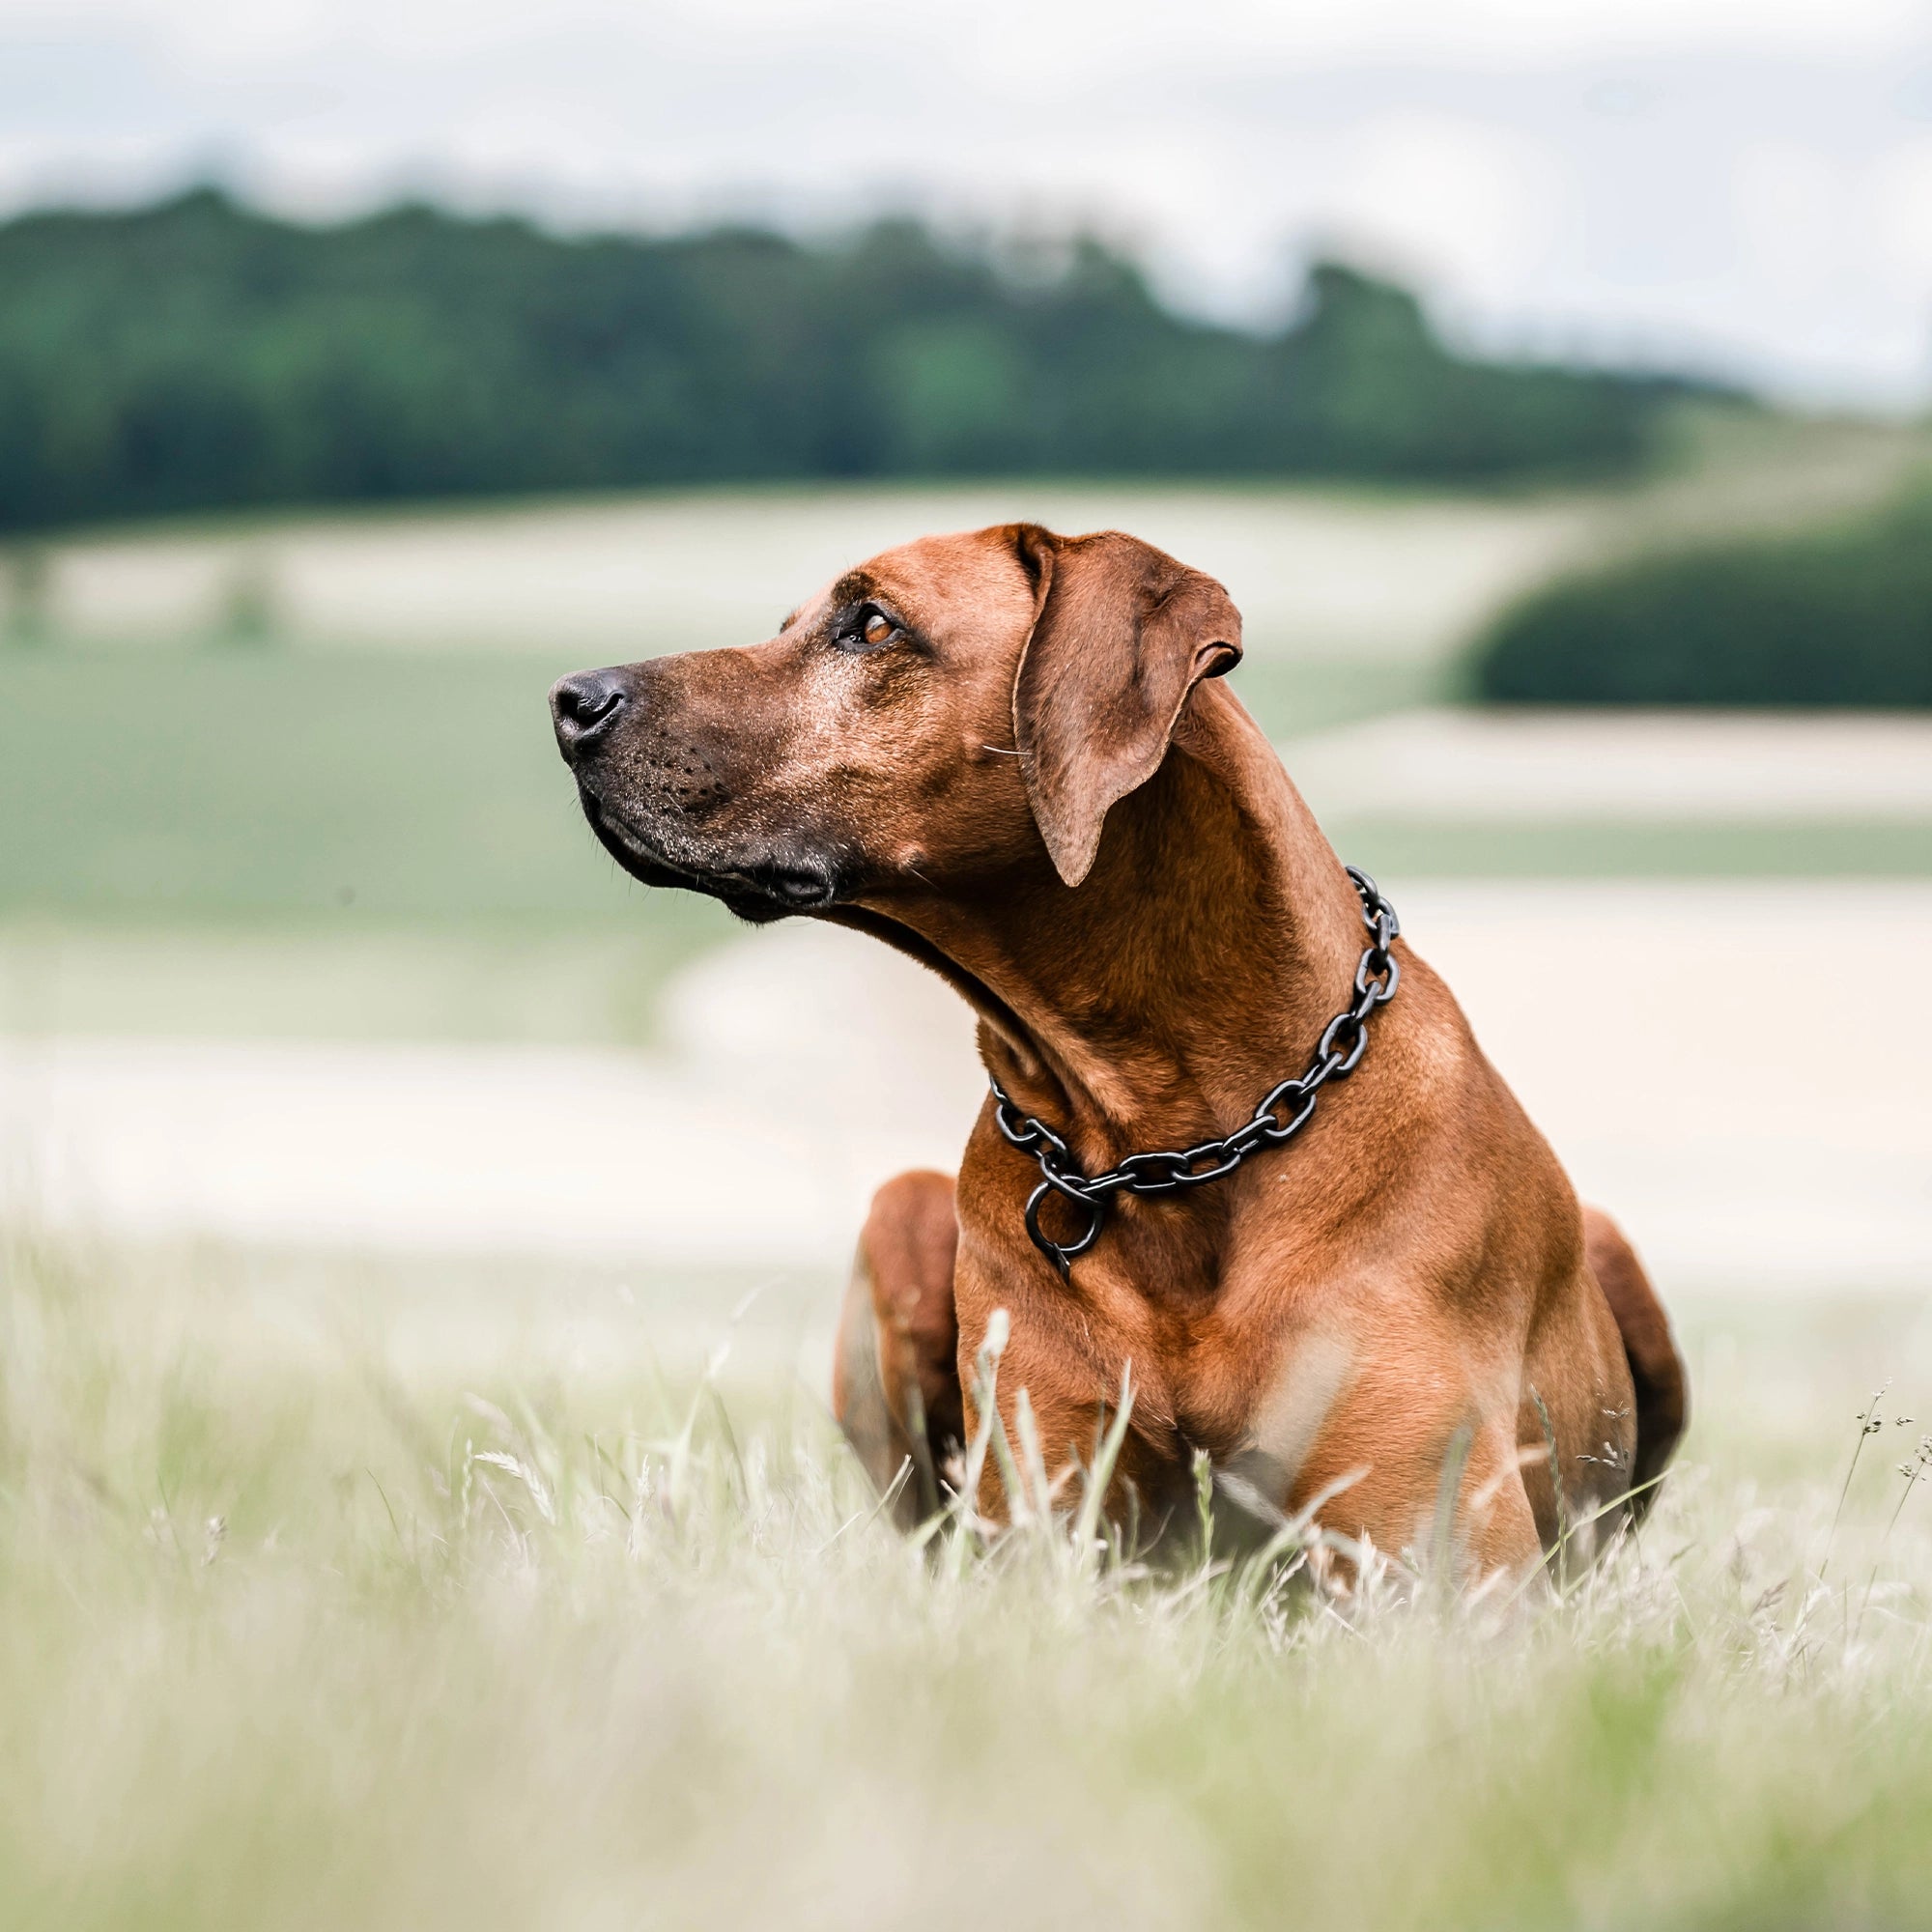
{"x": 1740, "y": 186}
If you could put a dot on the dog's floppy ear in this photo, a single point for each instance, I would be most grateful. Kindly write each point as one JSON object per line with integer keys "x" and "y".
{"x": 1122, "y": 633}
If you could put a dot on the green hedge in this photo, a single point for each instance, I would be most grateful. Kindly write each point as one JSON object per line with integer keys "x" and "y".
{"x": 1838, "y": 616}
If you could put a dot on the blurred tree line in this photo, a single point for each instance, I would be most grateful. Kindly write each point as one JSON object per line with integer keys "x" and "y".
{"x": 196, "y": 353}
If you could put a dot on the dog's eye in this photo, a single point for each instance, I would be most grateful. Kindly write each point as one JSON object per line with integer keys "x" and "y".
{"x": 870, "y": 630}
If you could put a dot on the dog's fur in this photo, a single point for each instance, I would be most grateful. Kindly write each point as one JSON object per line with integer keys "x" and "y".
{"x": 1005, "y": 753}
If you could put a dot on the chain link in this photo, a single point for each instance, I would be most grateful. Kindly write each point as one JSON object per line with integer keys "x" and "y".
{"x": 1276, "y": 1121}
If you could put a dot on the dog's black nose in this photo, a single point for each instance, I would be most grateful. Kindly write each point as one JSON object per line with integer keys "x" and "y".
{"x": 585, "y": 707}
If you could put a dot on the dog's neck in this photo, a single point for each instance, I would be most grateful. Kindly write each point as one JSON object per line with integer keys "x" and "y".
{"x": 1195, "y": 966}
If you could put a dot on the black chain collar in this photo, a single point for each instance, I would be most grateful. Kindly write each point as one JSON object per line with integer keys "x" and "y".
{"x": 1276, "y": 1120}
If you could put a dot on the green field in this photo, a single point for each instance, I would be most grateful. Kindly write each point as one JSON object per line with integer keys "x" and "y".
{"x": 342, "y": 845}
{"x": 235, "y": 786}
{"x": 429, "y": 1593}
{"x": 348, "y": 793}
{"x": 320, "y": 1635}
{"x": 334, "y": 846}
{"x": 386, "y": 845}
{"x": 352, "y": 790}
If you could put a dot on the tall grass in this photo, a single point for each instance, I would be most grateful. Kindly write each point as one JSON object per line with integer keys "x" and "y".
{"x": 294, "y": 1640}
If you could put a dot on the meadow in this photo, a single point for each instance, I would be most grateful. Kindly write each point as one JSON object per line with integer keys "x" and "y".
{"x": 605, "y": 1630}
{"x": 425, "y": 1589}
{"x": 334, "y": 726}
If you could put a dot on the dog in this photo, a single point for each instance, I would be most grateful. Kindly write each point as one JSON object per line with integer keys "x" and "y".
{"x": 1012, "y": 755}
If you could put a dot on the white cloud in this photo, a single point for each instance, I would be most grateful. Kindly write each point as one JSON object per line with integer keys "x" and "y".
{"x": 1741, "y": 180}
{"x": 1797, "y": 215}
{"x": 1901, "y": 216}
{"x": 1473, "y": 206}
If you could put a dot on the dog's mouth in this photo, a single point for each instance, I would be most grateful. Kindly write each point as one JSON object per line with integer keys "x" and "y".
{"x": 765, "y": 890}
{"x": 638, "y": 856}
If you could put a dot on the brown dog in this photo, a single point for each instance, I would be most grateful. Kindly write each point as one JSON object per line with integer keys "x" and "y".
{"x": 1001, "y": 752}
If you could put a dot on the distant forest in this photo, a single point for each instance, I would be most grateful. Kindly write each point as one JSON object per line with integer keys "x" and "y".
{"x": 198, "y": 355}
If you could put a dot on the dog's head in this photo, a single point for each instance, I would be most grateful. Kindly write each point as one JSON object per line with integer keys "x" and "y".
{"x": 932, "y": 718}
